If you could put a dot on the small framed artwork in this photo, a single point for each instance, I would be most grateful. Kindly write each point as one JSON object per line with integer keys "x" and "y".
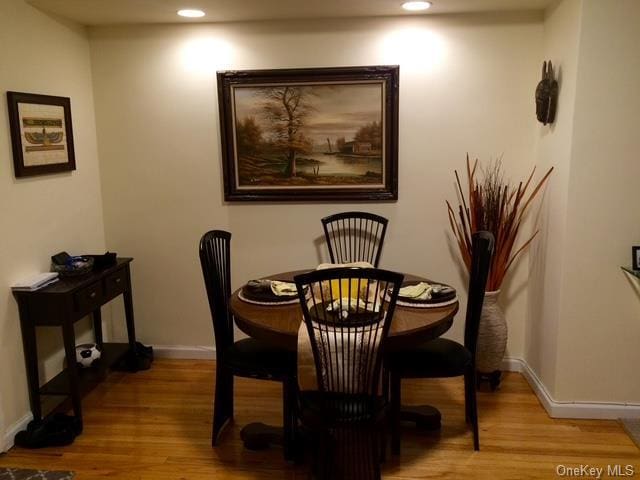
{"x": 635, "y": 258}
{"x": 41, "y": 134}
{"x": 310, "y": 134}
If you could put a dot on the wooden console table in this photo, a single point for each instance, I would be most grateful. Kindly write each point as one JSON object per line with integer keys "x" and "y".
{"x": 61, "y": 305}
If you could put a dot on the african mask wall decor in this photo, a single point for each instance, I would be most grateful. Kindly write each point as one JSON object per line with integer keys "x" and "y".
{"x": 546, "y": 95}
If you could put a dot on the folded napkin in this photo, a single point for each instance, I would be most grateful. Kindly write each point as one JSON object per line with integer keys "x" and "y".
{"x": 324, "y": 266}
{"x": 283, "y": 289}
{"x": 424, "y": 291}
{"x": 420, "y": 291}
{"x": 348, "y": 305}
{"x": 270, "y": 288}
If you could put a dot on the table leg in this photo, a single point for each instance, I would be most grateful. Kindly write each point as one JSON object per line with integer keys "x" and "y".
{"x": 30, "y": 350}
{"x": 128, "y": 311}
{"x": 97, "y": 326}
{"x": 69, "y": 338}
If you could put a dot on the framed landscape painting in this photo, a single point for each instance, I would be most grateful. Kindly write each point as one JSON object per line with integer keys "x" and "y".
{"x": 310, "y": 134}
{"x": 41, "y": 134}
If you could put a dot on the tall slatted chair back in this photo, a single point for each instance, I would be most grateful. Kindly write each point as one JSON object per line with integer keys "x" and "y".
{"x": 482, "y": 251}
{"x": 355, "y": 237}
{"x": 347, "y": 312}
{"x": 215, "y": 259}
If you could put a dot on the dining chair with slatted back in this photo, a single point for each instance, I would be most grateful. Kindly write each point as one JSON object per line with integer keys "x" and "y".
{"x": 355, "y": 237}
{"x": 347, "y": 314}
{"x": 247, "y": 357}
{"x": 443, "y": 357}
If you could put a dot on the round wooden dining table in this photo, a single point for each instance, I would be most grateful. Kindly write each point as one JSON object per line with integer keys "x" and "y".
{"x": 279, "y": 324}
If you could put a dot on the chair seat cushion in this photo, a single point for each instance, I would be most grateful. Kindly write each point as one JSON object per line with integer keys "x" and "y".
{"x": 321, "y": 409}
{"x": 254, "y": 358}
{"x": 432, "y": 359}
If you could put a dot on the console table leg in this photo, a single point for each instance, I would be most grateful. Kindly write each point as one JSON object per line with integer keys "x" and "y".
{"x": 69, "y": 338}
{"x": 30, "y": 349}
{"x": 97, "y": 326}
{"x": 127, "y": 296}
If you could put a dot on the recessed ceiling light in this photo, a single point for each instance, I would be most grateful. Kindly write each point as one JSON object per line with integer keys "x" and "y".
{"x": 190, "y": 13}
{"x": 416, "y": 6}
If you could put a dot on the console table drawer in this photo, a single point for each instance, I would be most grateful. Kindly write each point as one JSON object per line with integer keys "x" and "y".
{"x": 115, "y": 283}
{"x": 89, "y": 298}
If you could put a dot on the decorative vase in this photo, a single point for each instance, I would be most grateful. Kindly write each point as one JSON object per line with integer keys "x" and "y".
{"x": 492, "y": 339}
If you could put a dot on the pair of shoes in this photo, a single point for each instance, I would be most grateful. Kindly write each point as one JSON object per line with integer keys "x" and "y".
{"x": 55, "y": 431}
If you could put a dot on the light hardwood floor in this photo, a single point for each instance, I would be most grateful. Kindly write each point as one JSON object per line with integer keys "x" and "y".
{"x": 156, "y": 425}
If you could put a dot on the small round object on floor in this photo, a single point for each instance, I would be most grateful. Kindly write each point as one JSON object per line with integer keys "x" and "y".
{"x": 87, "y": 354}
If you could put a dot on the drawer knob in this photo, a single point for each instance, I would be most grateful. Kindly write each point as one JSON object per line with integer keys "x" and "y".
{"x": 118, "y": 280}
{"x": 92, "y": 295}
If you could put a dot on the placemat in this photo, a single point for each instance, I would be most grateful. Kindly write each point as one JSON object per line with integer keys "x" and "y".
{"x": 268, "y": 304}
{"x": 426, "y": 305}
{"x": 405, "y": 302}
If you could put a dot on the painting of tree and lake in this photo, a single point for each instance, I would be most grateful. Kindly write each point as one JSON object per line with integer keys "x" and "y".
{"x": 309, "y": 135}
{"x": 295, "y": 135}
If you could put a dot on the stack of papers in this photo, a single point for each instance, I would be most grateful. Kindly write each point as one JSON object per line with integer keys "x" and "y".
{"x": 36, "y": 282}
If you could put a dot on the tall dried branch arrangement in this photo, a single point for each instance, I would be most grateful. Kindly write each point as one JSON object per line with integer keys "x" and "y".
{"x": 497, "y": 207}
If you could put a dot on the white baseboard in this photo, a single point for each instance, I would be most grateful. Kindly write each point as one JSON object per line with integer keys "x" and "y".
{"x": 184, "y": 352}
{"x": 570, "y": 409}
{"x": 512, "y": 364}
{"x": 9, "y": 435}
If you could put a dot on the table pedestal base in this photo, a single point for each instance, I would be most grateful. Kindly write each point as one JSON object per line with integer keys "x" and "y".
{"x": 425, "y": 417}
{"x": 259, "y": 436}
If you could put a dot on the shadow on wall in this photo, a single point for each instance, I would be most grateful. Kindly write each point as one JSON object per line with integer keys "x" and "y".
{"x": 322, "y": 250}
{"x": 635, "y": 284}
{"x": 534, "y": 335}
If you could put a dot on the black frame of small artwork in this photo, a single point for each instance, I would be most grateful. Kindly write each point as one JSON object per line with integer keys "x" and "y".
{"x": 20, "y": 169}
{"x": 635, "y": 258}
{"x": 387, "y": 73}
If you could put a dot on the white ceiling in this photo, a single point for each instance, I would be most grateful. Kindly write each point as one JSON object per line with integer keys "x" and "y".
{"x": 110, "y": 12}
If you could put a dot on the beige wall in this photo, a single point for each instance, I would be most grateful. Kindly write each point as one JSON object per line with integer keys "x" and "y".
{"x": 466, "y": 85}
{"x": 583, "y": 328}
{"x": 43, "y": 215}
{"x": 600, "y": 324}
{"x": 547, "y": 255}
